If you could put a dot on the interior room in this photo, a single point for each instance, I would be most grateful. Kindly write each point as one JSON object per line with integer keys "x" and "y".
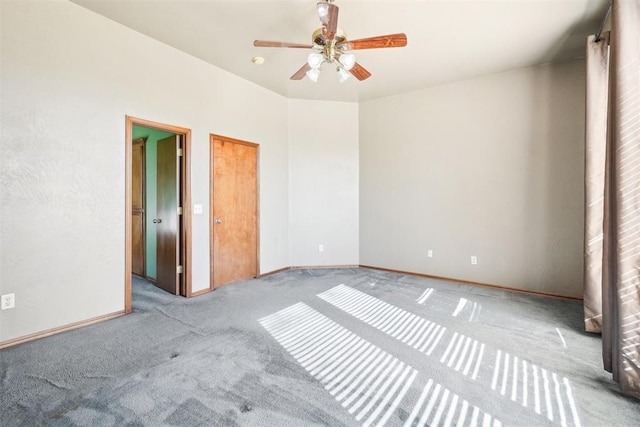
{"x": 380, "y": 213}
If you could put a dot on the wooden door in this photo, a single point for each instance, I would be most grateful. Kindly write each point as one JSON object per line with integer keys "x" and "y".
{"x": 167, "y": 220}
{"x": 137, "y": 208}
{"x": 234, "y": 224}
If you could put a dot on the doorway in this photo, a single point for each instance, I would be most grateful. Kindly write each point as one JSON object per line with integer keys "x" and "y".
{"x": 145, "y": 199}
{"x": 234, "y": 226}
{"x": 160, "y": 251}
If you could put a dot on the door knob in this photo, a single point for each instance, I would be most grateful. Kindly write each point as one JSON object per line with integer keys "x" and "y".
{"x": 218, "y": 221}
{"x": 157, "y": 221}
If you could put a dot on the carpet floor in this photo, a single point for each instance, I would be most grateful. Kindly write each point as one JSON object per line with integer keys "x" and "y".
{"x": 333, "y": 347}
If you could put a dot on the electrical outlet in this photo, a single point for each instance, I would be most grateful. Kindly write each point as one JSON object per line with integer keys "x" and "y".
{"x": 474, "y": 260}
{"x": 197, "y": 209}
{"x": 8, "y": 301}
{"x": 430, "y": 253}
{"x": 320, "y": 248}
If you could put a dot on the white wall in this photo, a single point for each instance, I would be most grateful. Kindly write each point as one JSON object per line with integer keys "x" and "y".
{"x": 68, "y": 78}
{"x": 323, "y": 138}
{"x": 491, "y": 167}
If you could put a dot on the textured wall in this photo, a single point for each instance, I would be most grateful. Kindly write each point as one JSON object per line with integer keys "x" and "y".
{"x": 323, "y": 138}
{"x": 68, "y": 78}
{"x": 490, "y": 167}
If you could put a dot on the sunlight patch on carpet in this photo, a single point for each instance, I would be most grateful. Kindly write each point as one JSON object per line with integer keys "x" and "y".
{"x": 367, "y": 381}
{"x": 513, "y": 378}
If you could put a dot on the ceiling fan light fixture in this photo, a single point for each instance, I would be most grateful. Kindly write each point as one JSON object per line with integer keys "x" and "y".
{"x": 323, "y": 12}
{"x": 315, "y": 60}
{"x": 313, "y": 74}
{"x": 344, "y": 74}
{"x": 348, "y": 60}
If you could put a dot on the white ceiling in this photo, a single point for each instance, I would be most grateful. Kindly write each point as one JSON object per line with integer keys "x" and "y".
{"x": 448, "y": 40}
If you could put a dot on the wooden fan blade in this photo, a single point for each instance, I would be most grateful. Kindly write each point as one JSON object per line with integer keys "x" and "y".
{"x": 330, "y": 21}
{"x": 299, "y": 75}
{"x": 264, "y": 43}
{"x": 391, "y": 40}
{"x": 360, "y": 72}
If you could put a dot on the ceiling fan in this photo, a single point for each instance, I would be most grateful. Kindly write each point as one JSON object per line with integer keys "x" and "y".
{"x": 331, "y": 46}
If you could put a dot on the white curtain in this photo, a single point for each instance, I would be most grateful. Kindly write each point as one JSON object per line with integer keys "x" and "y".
{"x": 620, "y": 209}
{"x": 595, "y": 157}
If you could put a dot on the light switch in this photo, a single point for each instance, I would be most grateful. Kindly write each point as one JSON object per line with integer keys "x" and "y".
{"x": 197, "y": 209}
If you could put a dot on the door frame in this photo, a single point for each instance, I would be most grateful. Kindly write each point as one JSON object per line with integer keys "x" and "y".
{"x": 212, "y": 137}
{"x": 185, "y": 188}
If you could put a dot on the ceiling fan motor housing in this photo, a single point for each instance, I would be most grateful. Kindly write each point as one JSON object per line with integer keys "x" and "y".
{"x": 319, "y": 39}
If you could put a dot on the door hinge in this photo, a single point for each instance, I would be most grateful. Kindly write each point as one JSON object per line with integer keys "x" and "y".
{"x": 179, "y": 152}
{"x": 179, "y": 210}
{"x": 179, "y": 269}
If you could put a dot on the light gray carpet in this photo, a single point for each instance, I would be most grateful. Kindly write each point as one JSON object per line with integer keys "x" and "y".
{"x": 320, "y": 347}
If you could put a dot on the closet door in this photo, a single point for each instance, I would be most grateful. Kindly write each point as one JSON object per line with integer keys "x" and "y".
{"x": 234, "y": 224}
{"x": 137, "y": 213}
